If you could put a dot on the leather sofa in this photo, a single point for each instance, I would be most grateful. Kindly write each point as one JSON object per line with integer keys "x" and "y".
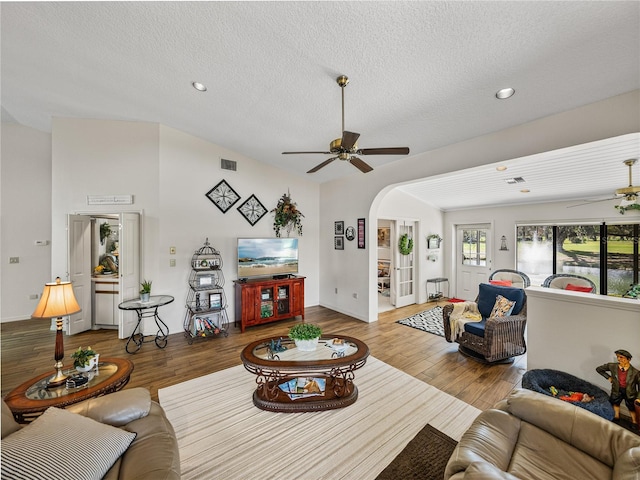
{"x": 531, "y": 436}
{"x": 152, "y": 455}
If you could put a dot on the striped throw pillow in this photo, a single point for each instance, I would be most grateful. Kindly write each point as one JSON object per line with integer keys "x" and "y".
{"x": 62, "y": 445}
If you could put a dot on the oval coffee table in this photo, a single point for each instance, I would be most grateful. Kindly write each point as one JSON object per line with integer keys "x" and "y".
{"x": 29, "y": 400}
{"x": 291, "y": 380}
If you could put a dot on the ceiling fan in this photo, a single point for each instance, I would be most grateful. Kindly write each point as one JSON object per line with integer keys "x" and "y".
{"x": 346, "y": 148}
{"x": 627, "y": 195}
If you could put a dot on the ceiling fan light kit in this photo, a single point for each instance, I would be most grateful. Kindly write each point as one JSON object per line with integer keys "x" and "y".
{"x": 346, "y": 148}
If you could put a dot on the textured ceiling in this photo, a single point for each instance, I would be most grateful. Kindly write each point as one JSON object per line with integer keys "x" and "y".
{"x": 423, "y": 74}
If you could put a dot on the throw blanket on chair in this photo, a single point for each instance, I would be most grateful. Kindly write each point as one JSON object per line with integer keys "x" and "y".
{"x": 462, "y": 313}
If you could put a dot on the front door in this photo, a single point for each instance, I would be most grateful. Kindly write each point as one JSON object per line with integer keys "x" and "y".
{"x": 473, "y": 259}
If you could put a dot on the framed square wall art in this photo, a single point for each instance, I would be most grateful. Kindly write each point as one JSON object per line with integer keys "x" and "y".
{"x": 338, "y": 243}
{"x": 223, "y": 196}
{"x": 338, "y": 228}
{"x": 252, "y": 210}
{"x": 361, "y": 233}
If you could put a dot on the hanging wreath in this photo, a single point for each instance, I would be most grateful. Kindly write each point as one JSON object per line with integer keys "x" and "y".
{"x": 405, "y": 244}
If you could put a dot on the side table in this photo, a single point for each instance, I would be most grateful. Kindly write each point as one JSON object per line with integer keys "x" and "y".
{"x": 438, "y": 292}
{"x": 30, "y": 399}
{"x": 147, "y": 310}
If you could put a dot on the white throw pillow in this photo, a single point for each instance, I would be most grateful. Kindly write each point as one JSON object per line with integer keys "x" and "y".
{"x": 62, "y": 445}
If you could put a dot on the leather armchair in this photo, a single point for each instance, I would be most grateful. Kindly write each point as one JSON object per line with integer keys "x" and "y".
{"x": 493, "y": 339}
{"x": 532, "y": 436}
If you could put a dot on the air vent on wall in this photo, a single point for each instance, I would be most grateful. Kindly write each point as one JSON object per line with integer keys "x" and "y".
{"x": 512, "y": 181}
{"x": 228, "y": 164}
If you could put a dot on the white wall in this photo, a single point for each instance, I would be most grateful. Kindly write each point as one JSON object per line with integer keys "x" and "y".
{"x": 25, "y": 173}
{"x": 576, "y": 332}
{"x": 360, "y": 195}
{"x": 168, "y": 173}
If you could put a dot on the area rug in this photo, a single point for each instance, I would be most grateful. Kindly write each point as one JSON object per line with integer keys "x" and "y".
{"x": 425, "y": 457}
{"x": 222, "y": 435}
{"x": 428, "y": 321}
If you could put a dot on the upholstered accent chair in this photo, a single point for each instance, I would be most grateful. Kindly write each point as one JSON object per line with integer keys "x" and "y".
{"x": 517, "y": 279}
{"x": 493, "y": 339}
{"x": 566, "y": 281}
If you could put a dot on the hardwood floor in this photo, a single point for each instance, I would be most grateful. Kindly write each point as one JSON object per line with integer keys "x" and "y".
{"x": 27, "y": 350}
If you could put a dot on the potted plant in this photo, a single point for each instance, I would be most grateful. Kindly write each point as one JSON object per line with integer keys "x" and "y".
{"x": 145, "y": 291}
{"x": 287, "y": 216}
{"x": 84, "y": 359}
{"x": 305, "y": 336}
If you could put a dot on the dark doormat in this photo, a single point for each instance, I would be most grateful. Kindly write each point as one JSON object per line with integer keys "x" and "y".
{"x": 425, "y": 457}
{"x": 427, "y": 321}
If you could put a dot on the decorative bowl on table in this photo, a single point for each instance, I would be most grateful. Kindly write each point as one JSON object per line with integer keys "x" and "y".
{"x": 338, "y": 344}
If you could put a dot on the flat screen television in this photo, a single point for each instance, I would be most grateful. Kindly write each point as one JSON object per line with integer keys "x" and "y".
{"x": 263, "y": 257}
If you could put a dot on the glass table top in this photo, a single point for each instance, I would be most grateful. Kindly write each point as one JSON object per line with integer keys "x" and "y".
{"x": 38, "y": 390}
{"x": 285, "y": 349}
{"x": 154, "y": 301}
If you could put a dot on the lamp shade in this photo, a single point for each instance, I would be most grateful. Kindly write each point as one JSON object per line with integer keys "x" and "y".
{"x": 57, "y": 300}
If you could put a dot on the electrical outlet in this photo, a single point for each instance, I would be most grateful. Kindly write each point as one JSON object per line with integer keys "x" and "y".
{"x": 33, "y": 296}
{"x": 172, "y": 251}
{"x": 172, "y": 262}
{"x": 14, "y": 259}
{"x": 355, "y": 295}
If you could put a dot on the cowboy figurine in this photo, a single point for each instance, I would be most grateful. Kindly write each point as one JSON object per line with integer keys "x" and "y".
{"x": 625, "y": 385}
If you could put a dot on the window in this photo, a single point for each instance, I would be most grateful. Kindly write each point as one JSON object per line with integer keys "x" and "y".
{"x": 474, "y": 247}
{"x": 605, "y": 254}
{"x": 621, "y": 258}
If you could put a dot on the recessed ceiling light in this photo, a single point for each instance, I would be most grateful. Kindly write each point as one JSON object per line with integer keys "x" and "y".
{"x": 199, "y": 86}
{"x": 501, "y": 168}
{"x": 525, "y": 190}
{"x": 505, "y": 93}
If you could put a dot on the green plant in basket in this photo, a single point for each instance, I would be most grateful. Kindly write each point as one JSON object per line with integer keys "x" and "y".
{"x": 82, "y": 356}
{"x": 304, "y": 331}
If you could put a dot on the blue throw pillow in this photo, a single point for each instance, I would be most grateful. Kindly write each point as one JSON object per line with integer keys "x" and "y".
{"x": 487, "y": 295}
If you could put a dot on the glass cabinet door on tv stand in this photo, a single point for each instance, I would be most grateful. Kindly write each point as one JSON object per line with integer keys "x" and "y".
{"x": 206, "y": 304}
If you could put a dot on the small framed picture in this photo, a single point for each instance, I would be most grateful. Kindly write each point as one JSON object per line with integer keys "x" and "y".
{"x": 205, "y": 280}
{"x": 338, "y": 243}
{"x": 338, "y": 228}
{"x": 350, "y": 233}
{"x": 361, "y": 232}
{"x": 215, "y": 300}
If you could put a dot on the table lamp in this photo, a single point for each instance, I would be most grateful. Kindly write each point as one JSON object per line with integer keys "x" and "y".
{"x": 57, "y": 301}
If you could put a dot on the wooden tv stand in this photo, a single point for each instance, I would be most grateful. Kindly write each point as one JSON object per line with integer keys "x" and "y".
{"x": 266, "y": 300}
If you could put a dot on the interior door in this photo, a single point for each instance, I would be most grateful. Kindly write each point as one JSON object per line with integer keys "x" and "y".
{"x": 79, "y": 254}
{"x": 403, "y": 290}
{"x": 473, "y": 259}
{"x": 129, "y": 269}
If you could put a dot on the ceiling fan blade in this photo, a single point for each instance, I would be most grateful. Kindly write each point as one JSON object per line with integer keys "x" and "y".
{"x": 323, "y": 164}
{"x": 589, "y": 202}
{"x": 301, "y": 153}
{"x": 384, "y": 151}
{"x": 349, "y": 139}
{"x": 360, "y": 164}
